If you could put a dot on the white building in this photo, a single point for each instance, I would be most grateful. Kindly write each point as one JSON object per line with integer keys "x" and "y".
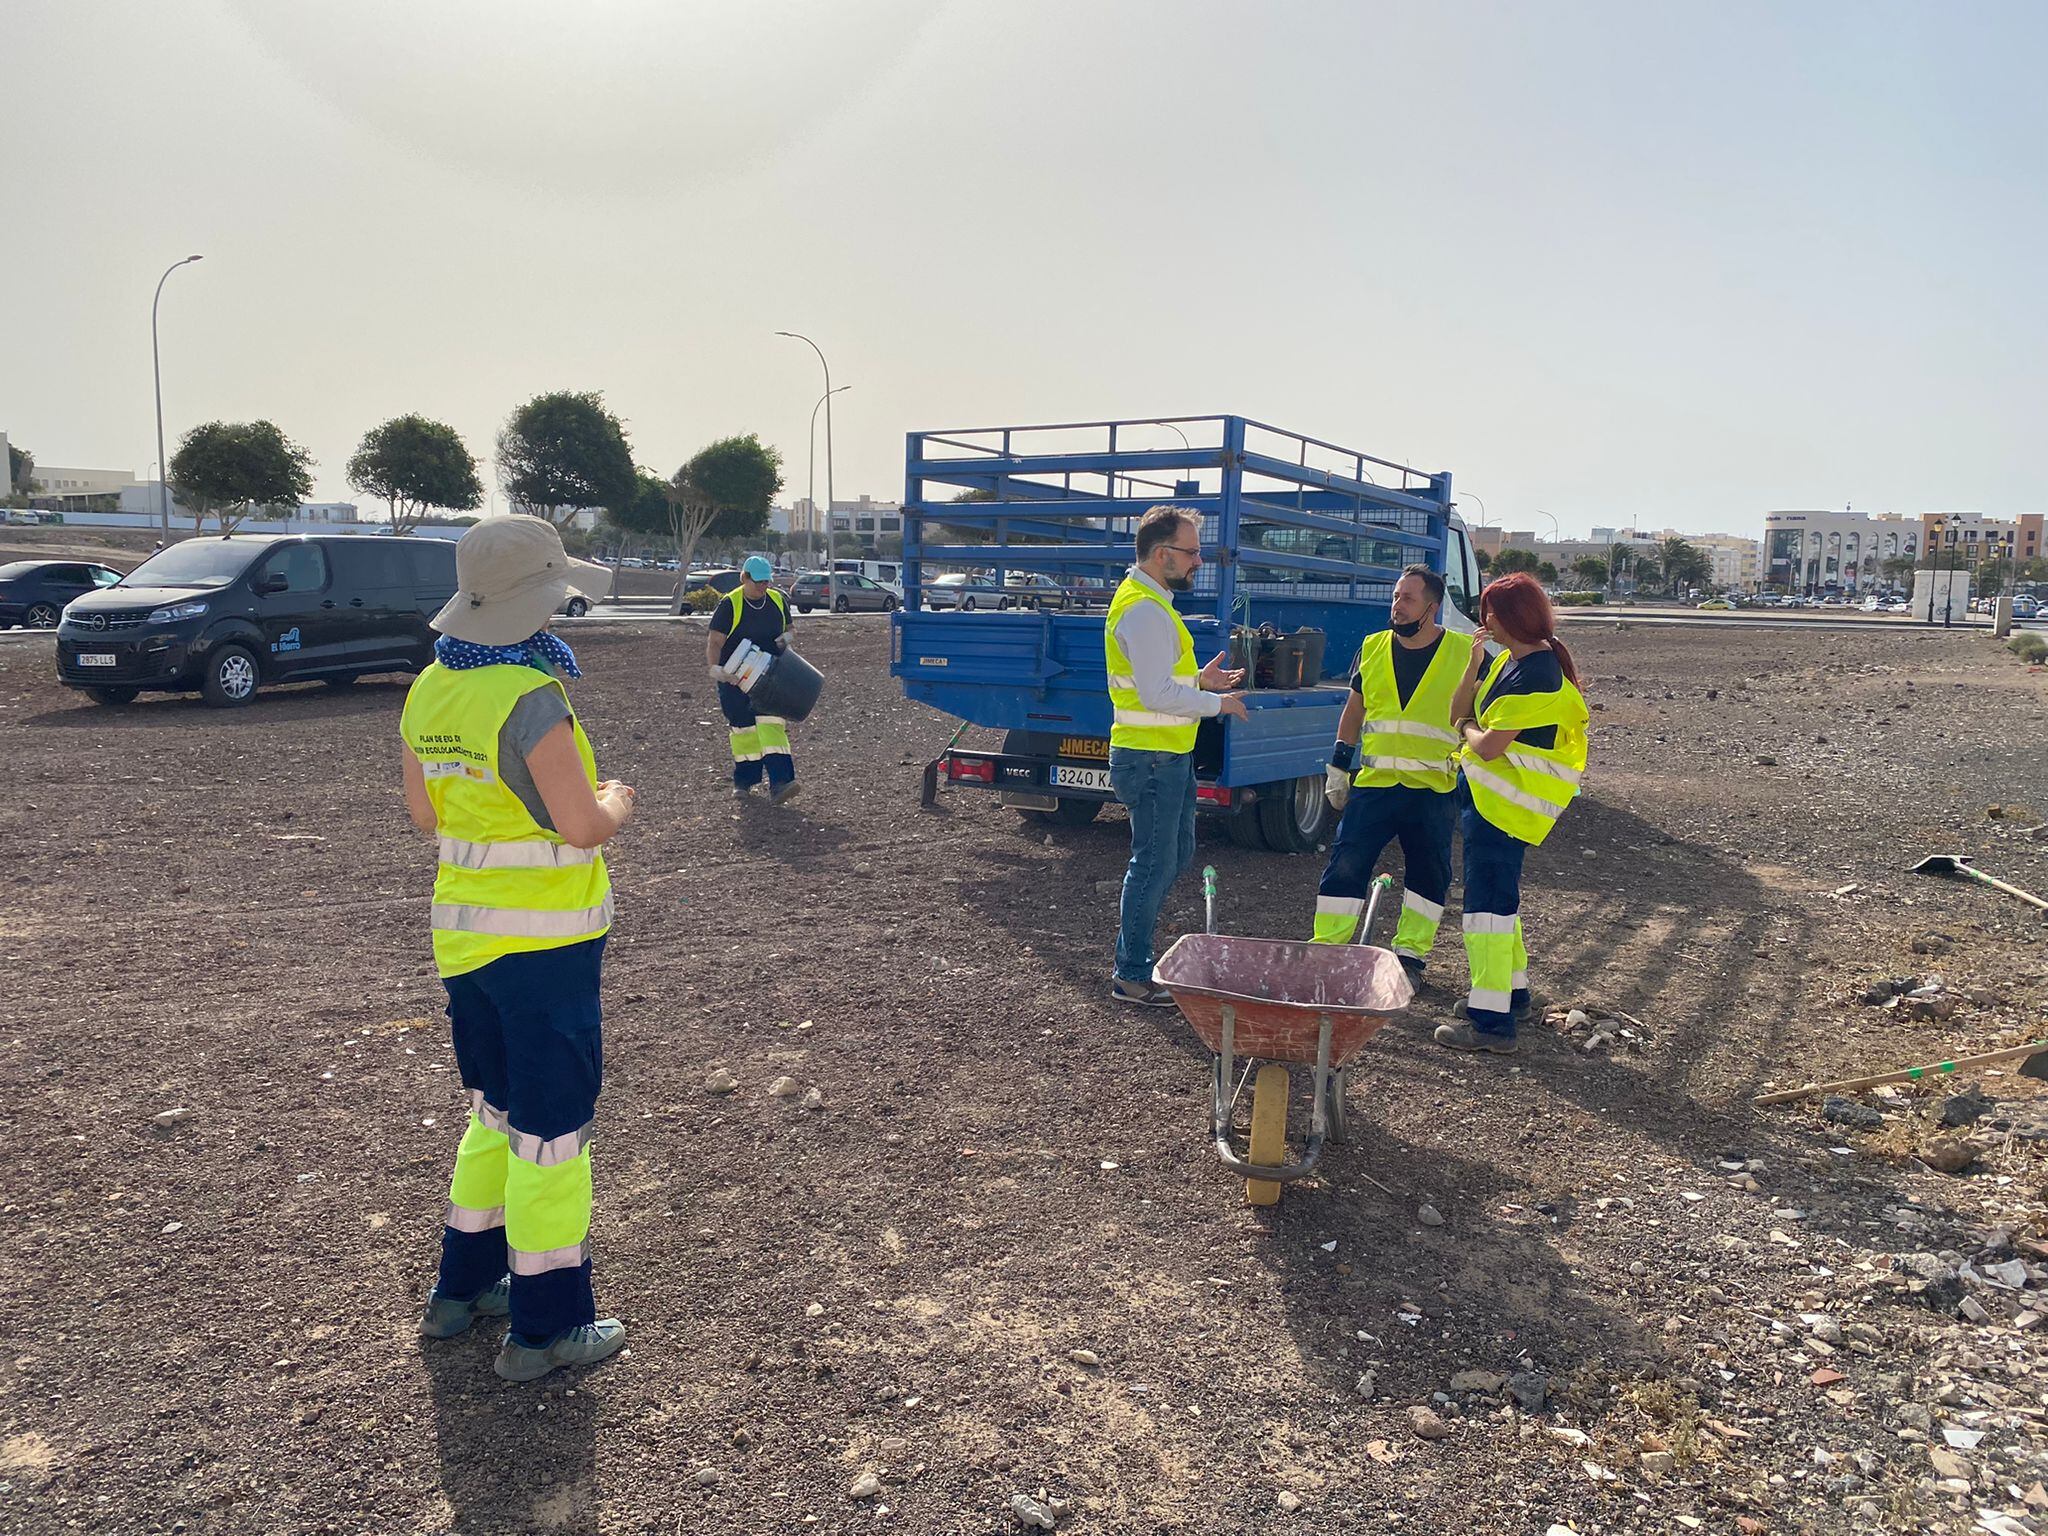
{"x": 1809, "y": 552}
{"x": 56, "y": 480}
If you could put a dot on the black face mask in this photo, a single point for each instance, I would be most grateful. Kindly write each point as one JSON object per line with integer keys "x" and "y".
{"x": 1407, "y": 631}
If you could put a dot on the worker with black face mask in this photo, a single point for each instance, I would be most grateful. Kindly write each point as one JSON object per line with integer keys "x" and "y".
{"x": 1393, "y": 770}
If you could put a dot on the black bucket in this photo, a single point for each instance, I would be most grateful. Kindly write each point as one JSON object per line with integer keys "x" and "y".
{"x": 1313, "y": 642}
{"x": 789, "y": 689}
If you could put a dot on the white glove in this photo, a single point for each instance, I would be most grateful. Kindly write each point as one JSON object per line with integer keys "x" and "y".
{"x": 1337, "y": 785}
{"x": 719, "y": 674}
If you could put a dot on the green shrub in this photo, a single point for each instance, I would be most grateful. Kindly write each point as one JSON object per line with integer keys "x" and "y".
{"x": 703, "y": 600}
{"x": 2028, "y": 646}
{"x": 1579, "y": 599}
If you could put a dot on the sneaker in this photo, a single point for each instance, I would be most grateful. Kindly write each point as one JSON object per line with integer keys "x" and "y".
{"x": 1142, "y": 993}
{"x": 1463, "y": 1037}
{"x": 785, "y": 794}
{"x": 743, "y": 792}
{"x": 447, "y": 1318}
{"x": 579, "y": 1346}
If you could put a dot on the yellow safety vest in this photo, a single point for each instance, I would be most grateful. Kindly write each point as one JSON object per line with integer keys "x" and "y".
{"x": 1526, "y": 789}
{"x": 1132, "y": 724}
{"x": 1410, "y": 744}
{"x": 505, "y": 884}
{"x": 736, "y": 597}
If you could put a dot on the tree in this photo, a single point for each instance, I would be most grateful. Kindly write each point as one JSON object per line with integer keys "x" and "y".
{"x": 1546, "y": 573}
{"x": 21, "y": 464}
{"x": 1991, "y": 576}
{"x": 725, "y": 491}
{"x": 1483, "y": 559}
{"x": 1896, "y": 568}
{"x": 415, "y": 465}
{"x": 230, "y": 468}
{"x": 1508, "y": 561}
{"x": 1684, "y": 566}
{"x": 563, "y": 452}
{"x": 1590, "y": 570}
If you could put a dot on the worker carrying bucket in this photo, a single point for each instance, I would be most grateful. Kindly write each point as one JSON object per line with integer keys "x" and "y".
{"x": 762, "y": 684}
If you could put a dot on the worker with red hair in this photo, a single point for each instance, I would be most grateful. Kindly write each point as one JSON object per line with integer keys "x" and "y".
{"x": 1521, "y": 723}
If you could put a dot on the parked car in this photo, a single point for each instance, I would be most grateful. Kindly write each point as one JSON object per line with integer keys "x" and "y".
{"x": 842, "y": 593}
{"x": 1717, "y": 604}
{"x": 575, "y": 605}
{"x": 718, "y": 579}
{"x": 966, "y": 590}
{"x": 2025, "y": 608}
{"x": 226, "y": 616}
{"x": 1035, "y": 589}
{"x": 33, "y": 593}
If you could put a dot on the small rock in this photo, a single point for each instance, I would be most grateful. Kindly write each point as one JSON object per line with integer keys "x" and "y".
{"x": 1430, "y": 1216}
{"x": 1085, "y": 1357}
{"x": 1765, "y": 761}
{"x": 1426, "y": 1423}
{"x": 1960, "y": 1109}
{"x": 720, "y": 1081}
{"x": 707, "y": 1477}
{"x": 783, "y": 1088}
{"x": 1657, "y": 1463}
{"x": 1478, "y": 1381}
{"x": 1530, "y": 1390}
{"x": 1948, "y": 1155}
{"x": 1848, "y": 1112}
{"x": 1932, "y": 943}
{"x": 1030, "y": 1512}
{"x": 815, "y": 1309}
{"x": 1290, "y": 1502}
{"x": 866, "y": 1486}
{"x": 1366, "y": 1386}
{"x": 1974, "y": 1310}
{"x": 815, "y": 1099}
{"x": 1947, "y": 1463}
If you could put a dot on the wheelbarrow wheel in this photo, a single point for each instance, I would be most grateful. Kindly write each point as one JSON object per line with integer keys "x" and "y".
{"x": 1334, "y": 1111}
{"x": 1269, "y": 1130}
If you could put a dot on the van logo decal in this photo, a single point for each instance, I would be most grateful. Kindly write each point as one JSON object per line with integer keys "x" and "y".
{"x": 97, "y": 621}
{"x": 288, "y": 641}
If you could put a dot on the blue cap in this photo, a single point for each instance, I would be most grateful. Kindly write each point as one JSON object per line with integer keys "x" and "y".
{"x": 757, "y": 568}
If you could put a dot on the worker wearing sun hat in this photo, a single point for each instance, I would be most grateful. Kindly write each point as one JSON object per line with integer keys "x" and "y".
{"x": 754, "y": 611}
{"x": 499, "y": 770}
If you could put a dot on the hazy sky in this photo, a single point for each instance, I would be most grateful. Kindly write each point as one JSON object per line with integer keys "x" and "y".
{"x": 1676, "y": 263}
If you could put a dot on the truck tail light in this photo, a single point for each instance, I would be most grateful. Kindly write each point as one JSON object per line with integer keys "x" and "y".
{"x": 1213, "y": 794}
{"x": 960, "y": 770}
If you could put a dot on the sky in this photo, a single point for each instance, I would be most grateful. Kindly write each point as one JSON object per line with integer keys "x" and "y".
{"x": 1616, "y": 263}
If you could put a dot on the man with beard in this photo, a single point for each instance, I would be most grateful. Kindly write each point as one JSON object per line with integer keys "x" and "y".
{"x": 1395, "y": 763}
{"x": 1157, "y": 697}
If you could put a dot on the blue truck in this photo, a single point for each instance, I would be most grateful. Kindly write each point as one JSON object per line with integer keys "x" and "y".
{"x": 1038, "y": 523}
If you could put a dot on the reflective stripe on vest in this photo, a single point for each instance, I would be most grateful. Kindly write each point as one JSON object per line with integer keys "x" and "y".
{"x": 1411, "y": 745}
{"x": 1526, "y": 788}
{"x": 1132, "y": 724}
{"x": 504, "y": 884}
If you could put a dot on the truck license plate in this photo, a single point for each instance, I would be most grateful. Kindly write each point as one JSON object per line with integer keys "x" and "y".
{"x": 96, "y": 659}
{"x": 1081, "y": 778}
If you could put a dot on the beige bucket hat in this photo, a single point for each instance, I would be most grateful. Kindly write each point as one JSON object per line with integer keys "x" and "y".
{"x": 511, "y": 574}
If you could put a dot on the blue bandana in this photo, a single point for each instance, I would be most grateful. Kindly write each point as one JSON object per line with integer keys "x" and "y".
{"x": 544, "y": 651}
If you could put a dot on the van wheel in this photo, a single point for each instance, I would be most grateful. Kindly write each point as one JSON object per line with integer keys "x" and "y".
{"x": 231, "y": 677}
{"x": 1242, "y": 823}
{"x": 1293, "y": 814}
{"x": 115, "y": 695}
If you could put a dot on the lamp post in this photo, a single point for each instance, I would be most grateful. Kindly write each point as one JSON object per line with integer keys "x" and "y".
{"x": 163, "y": 479}
{"x": 829, "y": 392}
{"x": 811, "y": 476}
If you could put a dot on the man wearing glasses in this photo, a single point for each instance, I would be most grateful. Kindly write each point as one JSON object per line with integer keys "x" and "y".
{"x": 1157, "y": 697}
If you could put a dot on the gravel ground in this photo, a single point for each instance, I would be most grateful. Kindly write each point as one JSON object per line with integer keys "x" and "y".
{"x": 1648, "y": 1306}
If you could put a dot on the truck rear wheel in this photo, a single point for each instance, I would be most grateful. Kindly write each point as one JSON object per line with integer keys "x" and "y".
{"x": 1070, "y": 813}
{"x": 1242, "y": 822}
{"x": 1293, "y": 814}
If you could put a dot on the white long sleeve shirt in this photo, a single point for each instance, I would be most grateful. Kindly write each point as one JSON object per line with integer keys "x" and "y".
{"x": 1151, "y": 643}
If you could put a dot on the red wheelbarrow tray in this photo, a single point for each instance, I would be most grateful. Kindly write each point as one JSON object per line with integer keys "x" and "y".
{"x": 1281, "y": 990}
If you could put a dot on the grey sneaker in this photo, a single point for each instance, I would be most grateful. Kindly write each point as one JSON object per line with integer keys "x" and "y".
{"x": 579, "y": 1346}
{"x": 1142, "y": 993}
{"x": 785, "y": 794}
{"x": 447, "y": 1318}
{"x": 1463, "y": 1037}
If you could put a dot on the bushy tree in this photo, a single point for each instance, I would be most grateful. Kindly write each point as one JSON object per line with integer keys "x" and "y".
{"x": 725, "y": 490}
{"x": 1508, "y": 561}
{"x": 1546, "y": 573}
{"x": 21, "y": 465}
{"x": 416, "y": 465}
{"x": 230, "y": 468}
{"x": 1684, "y": 565}
{"x": 1590, "y": 570}
{"x": 564, "y": 451}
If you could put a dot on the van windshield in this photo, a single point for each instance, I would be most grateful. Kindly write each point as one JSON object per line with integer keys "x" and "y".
{"x": 194, "y": 563}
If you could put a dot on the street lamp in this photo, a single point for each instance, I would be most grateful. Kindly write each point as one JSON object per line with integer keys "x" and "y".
{"x": 811, "y": 477}
{"x": 1485, "y": 517}
{"x": 163, "y": 480}
{"x": 829, "y": 392}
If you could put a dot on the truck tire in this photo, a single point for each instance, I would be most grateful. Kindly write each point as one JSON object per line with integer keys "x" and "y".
{"x": 1293, "y": 814}
{"x": 1242, "y": 823}
{"x": 231, "y": 677}
{"x": 1070, "y": 813}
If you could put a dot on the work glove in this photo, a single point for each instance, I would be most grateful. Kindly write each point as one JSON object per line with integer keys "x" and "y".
{"x": 1337, "y": 786}
{"x": 719, "y": 674}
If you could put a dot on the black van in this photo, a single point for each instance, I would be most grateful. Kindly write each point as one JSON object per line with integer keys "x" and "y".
{"x": 226, "y": 615}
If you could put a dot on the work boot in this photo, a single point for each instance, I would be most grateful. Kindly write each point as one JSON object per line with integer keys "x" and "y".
{"x": 579, "y": 1346}
{"x": 447, "y": 1318}
{"x": 743, "y": 793}
{"x": 1461, "y": 1036}
{"x": 785, "y": 794}
{"x": 1142, "y": 993}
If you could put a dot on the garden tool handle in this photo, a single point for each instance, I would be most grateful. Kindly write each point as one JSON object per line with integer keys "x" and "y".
{"x": 1996, "y": 884}
{"x": 1209, "y": 898}
{"x": 1380, "y": 885}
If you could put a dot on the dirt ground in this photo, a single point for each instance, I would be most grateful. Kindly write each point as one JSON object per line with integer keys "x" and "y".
{"x": 1648, "y": 1306}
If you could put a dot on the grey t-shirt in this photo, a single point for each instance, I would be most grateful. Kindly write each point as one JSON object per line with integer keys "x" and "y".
{"x": 532, "y": 718}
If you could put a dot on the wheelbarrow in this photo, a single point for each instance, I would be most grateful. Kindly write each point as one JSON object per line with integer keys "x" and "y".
{"x": 1286, "y": 1003}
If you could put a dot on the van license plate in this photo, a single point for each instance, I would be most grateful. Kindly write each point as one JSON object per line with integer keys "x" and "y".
{"x": 1081, "y": 778}
{"x": 96, "y": 659}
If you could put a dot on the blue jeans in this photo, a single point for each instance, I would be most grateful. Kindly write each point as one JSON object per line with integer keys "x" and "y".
{"x": 1159, "y": 790}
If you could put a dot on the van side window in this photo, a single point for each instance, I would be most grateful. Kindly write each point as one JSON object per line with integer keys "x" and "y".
{"x": 303, "y": 567}
{"x": 1457, "y": 568}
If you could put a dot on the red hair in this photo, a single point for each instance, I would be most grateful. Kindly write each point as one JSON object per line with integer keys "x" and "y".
{"x": 1519, "y": 606}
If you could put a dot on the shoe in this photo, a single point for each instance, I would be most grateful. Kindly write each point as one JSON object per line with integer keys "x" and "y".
{"x": 743, "y": 792}
{"x": 447, "y": 1318}
{"x": 1463, "y": 1037}
{"x": 1142, "y": 993}
{"x": 785, "y": 794}
{"x": 579, "y": 1346}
